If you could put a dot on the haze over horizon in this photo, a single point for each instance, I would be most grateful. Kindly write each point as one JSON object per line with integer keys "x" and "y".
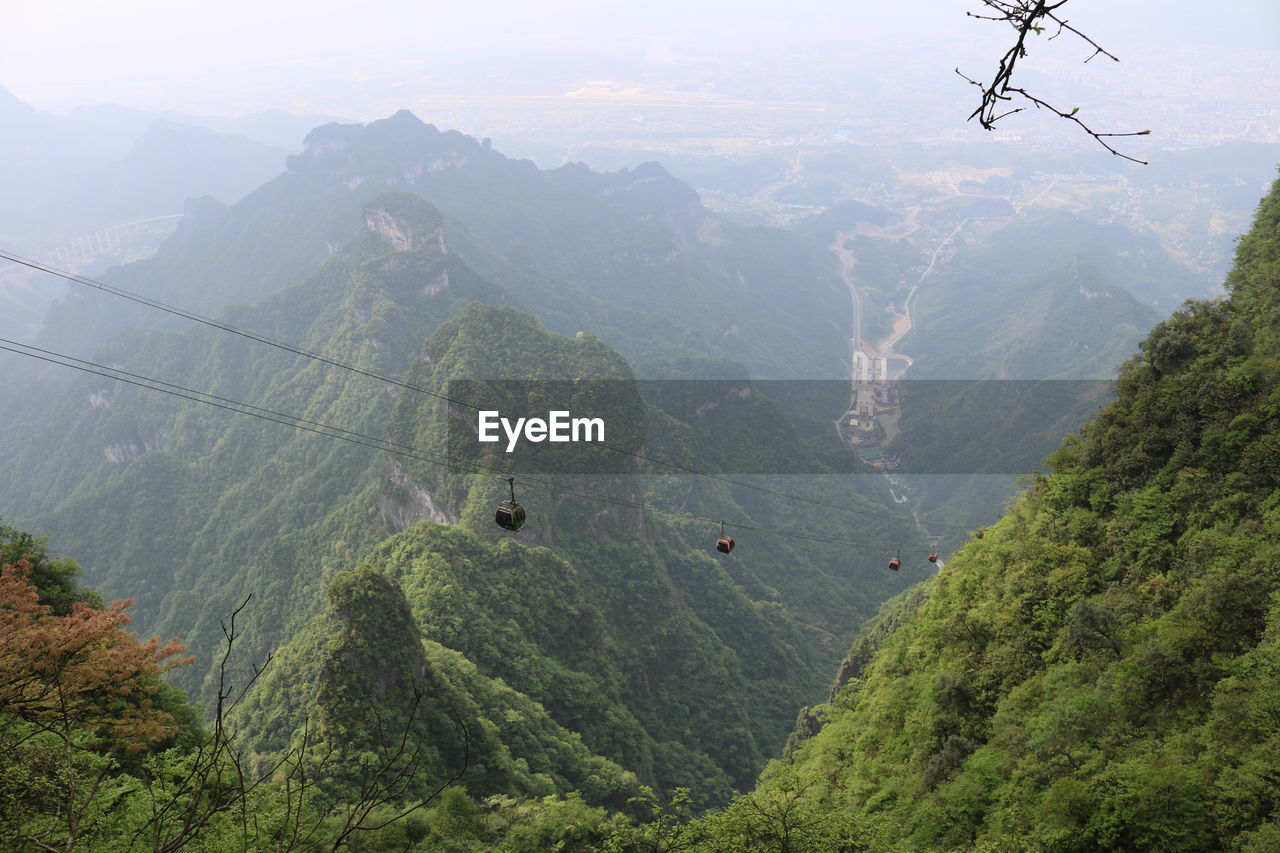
{"x": 239, "y": 57}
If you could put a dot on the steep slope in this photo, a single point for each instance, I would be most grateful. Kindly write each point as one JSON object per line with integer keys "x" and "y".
{"x": 69, "y": 182}
{"x": 725, "y": 644}
{"x": 1047, "y": 298}
{"x": 359, "y": 678}
{"x": 1098, "y": 670}
{"x": 218, "y": 256}
{"x": 385, "y": 721}
{"x": 631, "y": 256}
{"x": 188, "y": 507}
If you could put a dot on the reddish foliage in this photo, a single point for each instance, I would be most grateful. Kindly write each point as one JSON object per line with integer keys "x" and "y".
{"x": 81, "y": 670}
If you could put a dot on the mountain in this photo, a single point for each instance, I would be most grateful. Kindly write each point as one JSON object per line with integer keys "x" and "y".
{"x": 631, "y": 256}
{"x": 1097, "y": 670}
{"x": 607, "y": 253}
{"x": 1047, "y": 297}
{"x": 37, "y": 148}
{"x": 90, "y": 194}
{"x": 1087, "y": 673}
{"x": 167, "y": 164}
{"x": 274, "y": 128}
{"x": 361, "y": 673}
{"x": 68, "y": 176}
{"x": 638, "y": 644}
{"x": 1035, "y": 300}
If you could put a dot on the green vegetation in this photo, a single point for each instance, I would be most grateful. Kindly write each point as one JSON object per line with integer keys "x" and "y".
{"x": 96, "y": 754}
{"x": 57, "y": 579}
{"x": 360, "y": 675}
{"x": 1052, "y": 297}
{"x": 631, "y": 256}
{"x": 690, "y": 675}
{"x": 1097, "y": 670}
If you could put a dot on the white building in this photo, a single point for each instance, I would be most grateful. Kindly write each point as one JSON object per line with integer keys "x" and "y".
{"x": 870, "y": 390}
{"x": 869, "y": 368}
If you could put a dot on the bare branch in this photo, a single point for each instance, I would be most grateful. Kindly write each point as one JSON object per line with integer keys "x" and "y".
{"x": 1028, "y": 17}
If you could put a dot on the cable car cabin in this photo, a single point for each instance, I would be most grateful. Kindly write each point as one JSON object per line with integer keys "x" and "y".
{"x": 895, "y": 563}
{"x": 510, "y": 515}
{"x": 724, "y": 544}
{"x": 933, "y": 556}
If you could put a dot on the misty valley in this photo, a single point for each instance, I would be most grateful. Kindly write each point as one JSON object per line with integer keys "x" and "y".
{"x": 651, "y": 467}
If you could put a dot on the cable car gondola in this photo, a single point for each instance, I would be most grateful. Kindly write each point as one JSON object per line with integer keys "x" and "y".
{"x": 933, "y": 549}
{"x": 895, "y": 562}
{"x": 510, "y": 515}
{"x": 725, "y": 543}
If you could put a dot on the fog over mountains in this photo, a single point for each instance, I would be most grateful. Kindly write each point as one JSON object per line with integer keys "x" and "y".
{"x": 258, "y": 280}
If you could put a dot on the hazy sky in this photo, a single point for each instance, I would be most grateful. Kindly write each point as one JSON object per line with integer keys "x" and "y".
{"x": 235, "y": 55}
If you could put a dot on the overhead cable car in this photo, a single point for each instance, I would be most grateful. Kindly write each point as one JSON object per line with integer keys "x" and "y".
{"x": 725, "y": 543}
{"x": 895, "y": 562}
{"x": 933, "y": 549}
{"x": 510, "y": 515}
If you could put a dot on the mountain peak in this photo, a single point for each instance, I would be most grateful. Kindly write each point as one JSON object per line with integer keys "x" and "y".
{"x": 647, "y": 190}
{"x": 650, "y": 169}
{"x": 1085, "y": 708}
{"x": 201, "y": 212}
{"x": 398, "y": 149}
{"x": 404, "y": 220}
{"x": 12, "y": 105}
{"x": 404, "y": 118}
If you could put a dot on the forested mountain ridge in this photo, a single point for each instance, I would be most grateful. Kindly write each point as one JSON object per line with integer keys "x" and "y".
{"x": 606, "y": 647}
{"x": 1098, "y": 670}
{"x": 98, "y": 753}
{"x": 219, "y": 505}
{"x": 630, "y": 256}
{"x": 669, "y": 627}
{"x": 368, "y": 304}
{"x": 216, "y": 505}
{"x": 1051, "y": 296}
{"x": 361, "y": 669}
{"x": 69, "y": 176}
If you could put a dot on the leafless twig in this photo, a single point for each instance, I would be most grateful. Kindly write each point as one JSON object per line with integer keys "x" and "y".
{"x": 1029, "y": 17}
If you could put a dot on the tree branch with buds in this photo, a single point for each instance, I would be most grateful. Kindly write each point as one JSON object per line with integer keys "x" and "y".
{"x": 1032, "y": 17}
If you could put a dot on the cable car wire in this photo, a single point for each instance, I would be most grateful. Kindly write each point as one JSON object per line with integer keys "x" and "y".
{"x": 263, "y": 339}
{"x": 361, "y": 439}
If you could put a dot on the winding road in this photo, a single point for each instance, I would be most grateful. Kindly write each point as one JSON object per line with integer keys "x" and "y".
{"x": 902, "y": 324}
{"x": 847, "y": 263}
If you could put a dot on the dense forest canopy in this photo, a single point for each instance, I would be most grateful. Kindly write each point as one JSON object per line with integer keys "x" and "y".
{"x": 1097, "y": 670}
